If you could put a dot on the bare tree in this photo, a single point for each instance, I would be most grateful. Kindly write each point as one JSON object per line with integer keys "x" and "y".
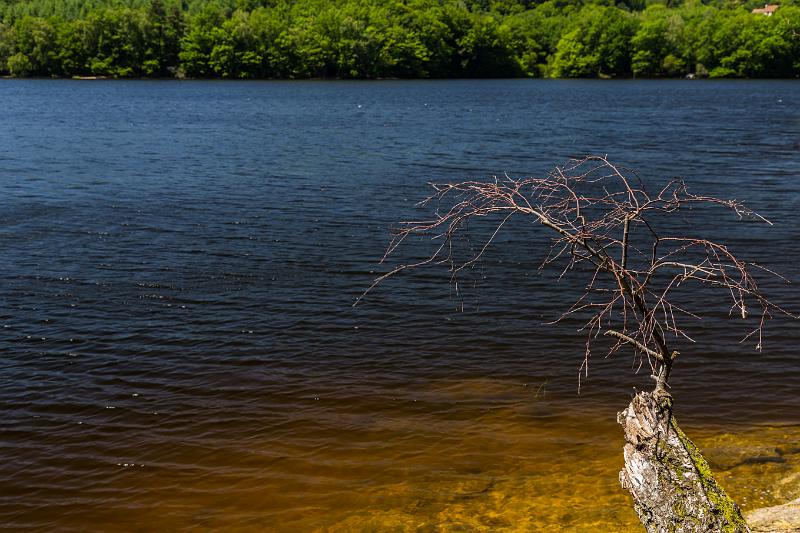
{"x": 602, "y": 221}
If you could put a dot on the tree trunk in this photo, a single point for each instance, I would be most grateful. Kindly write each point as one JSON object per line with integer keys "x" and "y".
{"x": 670, "y": 481}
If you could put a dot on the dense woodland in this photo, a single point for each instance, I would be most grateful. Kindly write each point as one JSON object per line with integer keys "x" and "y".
{"x": 397, "y": 38}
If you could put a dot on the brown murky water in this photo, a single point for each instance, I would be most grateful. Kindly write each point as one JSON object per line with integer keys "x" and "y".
{"x": 455, "y": 455}
{"x": 178, "y": 349}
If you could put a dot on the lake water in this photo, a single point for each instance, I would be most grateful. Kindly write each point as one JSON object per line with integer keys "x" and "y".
{"x": 180, "y": 351}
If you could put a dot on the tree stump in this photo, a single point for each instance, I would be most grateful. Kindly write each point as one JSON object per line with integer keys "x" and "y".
{"x": 670, "y": 481}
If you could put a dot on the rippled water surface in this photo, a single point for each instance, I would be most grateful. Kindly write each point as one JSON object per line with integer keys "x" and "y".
{"x": 179, "y": 348}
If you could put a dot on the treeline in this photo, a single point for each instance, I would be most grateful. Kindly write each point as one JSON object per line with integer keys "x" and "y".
{"x": 395, "y": 38}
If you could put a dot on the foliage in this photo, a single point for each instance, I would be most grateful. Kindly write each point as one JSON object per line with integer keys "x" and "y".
{"x": 656, "y": 45}
{"x": 598, "y": 45}
{"x": 395, "y": 38}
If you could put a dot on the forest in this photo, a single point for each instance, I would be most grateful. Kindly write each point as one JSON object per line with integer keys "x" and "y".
{"x": 373, "y": 39}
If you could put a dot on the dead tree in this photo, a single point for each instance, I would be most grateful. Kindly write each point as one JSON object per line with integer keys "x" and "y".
{"x": 600, "y": 217}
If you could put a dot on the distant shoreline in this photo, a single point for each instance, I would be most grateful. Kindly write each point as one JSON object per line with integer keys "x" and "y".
{"x": 369, "y": 39}
{"x": 176, "y": 79}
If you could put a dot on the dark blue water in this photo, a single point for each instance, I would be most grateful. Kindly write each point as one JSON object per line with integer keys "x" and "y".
{"x": 180, "y": 260}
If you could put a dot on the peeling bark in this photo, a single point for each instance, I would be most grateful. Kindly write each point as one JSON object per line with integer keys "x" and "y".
{"x": 670, "y": 481}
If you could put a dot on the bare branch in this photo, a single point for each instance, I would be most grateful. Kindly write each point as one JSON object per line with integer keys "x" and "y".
{"x": 591, "y": 208}
{"x": 633, "y": 342}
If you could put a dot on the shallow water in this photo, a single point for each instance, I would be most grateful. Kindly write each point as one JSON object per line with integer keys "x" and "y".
{"x": 179, "y": 346}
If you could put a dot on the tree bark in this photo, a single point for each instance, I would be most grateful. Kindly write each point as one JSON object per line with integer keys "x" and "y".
{"x": 670, "y": 481}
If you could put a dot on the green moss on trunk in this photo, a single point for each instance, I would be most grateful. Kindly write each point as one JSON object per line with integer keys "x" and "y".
{"x": 671, "y": 483}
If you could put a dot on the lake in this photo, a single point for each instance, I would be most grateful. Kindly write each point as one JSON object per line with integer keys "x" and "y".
{"x": 180, "y": 349}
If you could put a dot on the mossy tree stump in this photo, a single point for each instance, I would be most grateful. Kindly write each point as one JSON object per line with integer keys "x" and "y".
{"x": 670, "y": 481}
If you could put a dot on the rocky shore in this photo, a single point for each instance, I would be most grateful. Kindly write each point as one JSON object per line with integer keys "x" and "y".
{"x": 777, "y": 519}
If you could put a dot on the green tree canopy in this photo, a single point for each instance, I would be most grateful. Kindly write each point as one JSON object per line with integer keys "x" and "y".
{"x": 396, "y": 38}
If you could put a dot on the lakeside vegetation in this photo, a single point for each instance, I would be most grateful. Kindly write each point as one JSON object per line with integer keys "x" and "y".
{"x": 397, "y": 38}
